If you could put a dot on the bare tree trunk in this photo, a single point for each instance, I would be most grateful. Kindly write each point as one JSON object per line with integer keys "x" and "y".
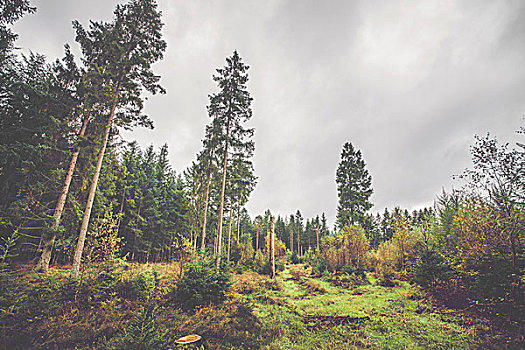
{"x": 221, "y": 208}
{"x": 121, "y": 209}
{"x": 317, "y": 234}
{"x": 257, "y": 240}
{"x": 238, "y": 220}
{"x": 291, "y": 239}
{"x": 272, "y": 247}
{"x": 49, "y": 242}
{"x": 298, "y": 243}
{"x": 91, "y": 197}
{"x": 196, "y": 223}
{"x": 230, "y": 232}
{"x": 203, "y": 243}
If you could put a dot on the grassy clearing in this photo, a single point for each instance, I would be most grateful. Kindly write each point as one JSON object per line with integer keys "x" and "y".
{"x": 384, "y": 318}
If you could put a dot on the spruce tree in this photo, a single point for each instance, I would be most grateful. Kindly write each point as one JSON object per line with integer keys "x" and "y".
{"x": 354, "y": 187}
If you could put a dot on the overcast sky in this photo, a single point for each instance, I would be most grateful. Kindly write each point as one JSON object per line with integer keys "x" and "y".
{"x": 409, "y": 83}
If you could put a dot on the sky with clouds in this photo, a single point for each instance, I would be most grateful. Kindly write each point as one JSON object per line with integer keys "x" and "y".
{"x": 409, "y": 83}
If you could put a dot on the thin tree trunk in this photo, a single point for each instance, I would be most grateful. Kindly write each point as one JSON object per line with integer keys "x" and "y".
{"x": 317, "y": 234}
{"x": 203, "y": 243}
{"x": 299, "y": 242}
{"x": 238, "y": 220}
{"x": 196, "y": 224}
{"x": 221, "y": 208}
{"x": 257, "y": 240}
{"x": 49, "y": 242}
{"x": 291, "y": 239}
{"x": 272, "y": 247}
{"x": 230, "y": 232}
{"x": 121, "y": 209}
{"x": 91, "y": 197}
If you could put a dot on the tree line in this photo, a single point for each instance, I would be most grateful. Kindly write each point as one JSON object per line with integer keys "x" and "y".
{"x": 72, "y": 190}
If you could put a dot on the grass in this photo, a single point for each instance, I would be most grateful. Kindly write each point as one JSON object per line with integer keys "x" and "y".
{"x": 294, "y": 311}
{"x": 387, "y": 318}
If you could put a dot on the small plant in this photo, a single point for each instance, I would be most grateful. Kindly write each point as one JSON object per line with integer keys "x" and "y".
{"x": 6, "y": 247}
{"x": 144, "y": 283}
{"x": 142, "y": 333}
{"x": 295, "y": 259}
{"x": 202, "y": 284}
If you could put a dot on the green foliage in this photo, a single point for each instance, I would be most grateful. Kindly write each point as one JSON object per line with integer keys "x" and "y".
{"x": 259, "y": 261}
{"x": 295, "y": 259}
{"x": 7, "y": 246}
{"x": 103, "y": 242}
{"x": 246, "y": 251}
{"x": 144, "y": 283}
{"x": 348, "y": 246}
{"x": 10, "y": 12}
{"x": 354, "y": 187}
{"x": 430, "y": 268}
{"x": 202, "y": 284}
{"x": 142, "y": 333}
{"x": 154, "y": 214}
{"x": 319, "y": 265}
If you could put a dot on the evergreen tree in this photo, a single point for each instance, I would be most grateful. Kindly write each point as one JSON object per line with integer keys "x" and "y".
{"x": 354, "y": 187}
{"x": 10, "y": 12}
{"x": 230, "y": 108}
{"x": 123, "y": 52}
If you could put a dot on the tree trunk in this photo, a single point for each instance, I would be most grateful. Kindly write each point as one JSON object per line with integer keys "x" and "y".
{"x": 221, "y": 208}
{"x": 49, "y": 242}
{"x": 91, "y": 197}
{"x": 257, "y": 240}
{"x": 238, "y": 221}
{"x": 317, "y": 234}
{"x": 203, "y": 243}
{"x": 299, "y": 242}
{"x": 121, "y": 209}
{"x": 230, "y": 232}
{"x": 291, "y": 239}
{"x": 272, "y": 247}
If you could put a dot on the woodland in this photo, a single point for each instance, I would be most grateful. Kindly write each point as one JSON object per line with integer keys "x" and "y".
{"x": 104, "y": 246}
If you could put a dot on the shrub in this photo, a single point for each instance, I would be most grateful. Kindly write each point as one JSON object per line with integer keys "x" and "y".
{"x": 348, "y": 246}
{"x": 259, "y": 262}
{"x": 142, "y": 333}
{"x": 350, "y": 278}
{"x": 430, "y": 268}
{"x": 202, "y": 283}
{"x": 295, "y": 259}
{"x": 144, "y": 283}
{"x": 314, "y": 287}
{"x": 319, "y": 265}
{"x": 385, "y": 261}
{"x": 246, "y": 250}
{"x": 106, "y": 283}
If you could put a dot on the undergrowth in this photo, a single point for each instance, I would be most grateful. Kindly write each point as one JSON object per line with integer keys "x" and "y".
{"x": 132, "y": 307}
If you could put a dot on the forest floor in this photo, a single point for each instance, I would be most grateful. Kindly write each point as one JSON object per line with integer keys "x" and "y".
{"x": 311, "y": 313}
{"x": 296, "y": 310}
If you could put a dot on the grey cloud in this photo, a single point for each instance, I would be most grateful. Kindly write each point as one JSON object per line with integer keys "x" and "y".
{"x": 408, "y": 82}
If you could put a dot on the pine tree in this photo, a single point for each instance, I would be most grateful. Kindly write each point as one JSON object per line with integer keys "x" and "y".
{"x": 354, "y": 187}
{"x": 123, "y": 52}
{"x": 230, "y": 108}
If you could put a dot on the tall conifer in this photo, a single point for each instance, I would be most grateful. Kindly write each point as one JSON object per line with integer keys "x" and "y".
{"x": 354, "y": 187}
